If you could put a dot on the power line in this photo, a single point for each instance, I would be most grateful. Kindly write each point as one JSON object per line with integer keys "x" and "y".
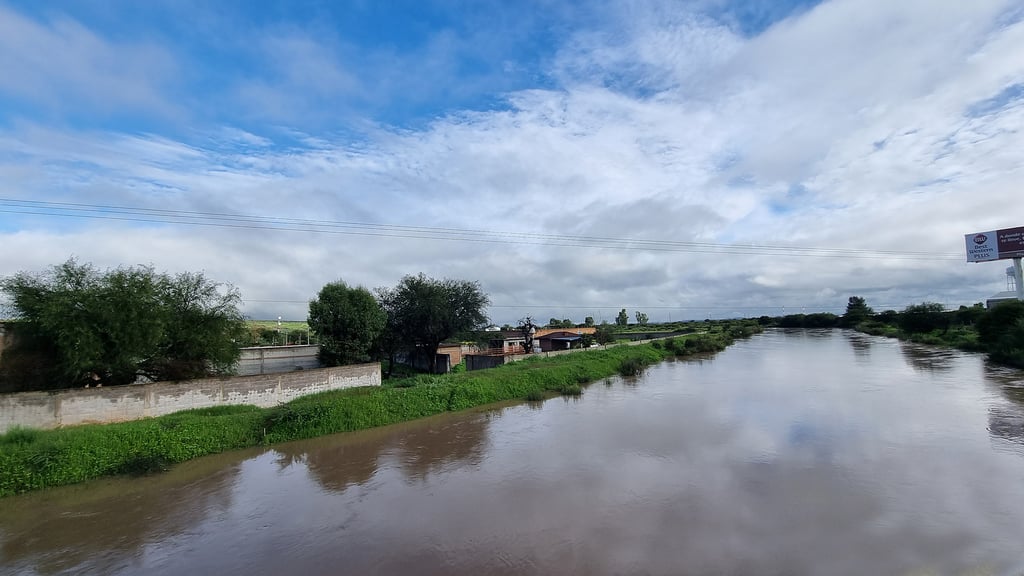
{"x": 255, "y": 222}
{"x": 791, "y": 308}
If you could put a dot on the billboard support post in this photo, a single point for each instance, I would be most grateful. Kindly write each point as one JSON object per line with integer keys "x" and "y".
{"x": 1018, "y": 280}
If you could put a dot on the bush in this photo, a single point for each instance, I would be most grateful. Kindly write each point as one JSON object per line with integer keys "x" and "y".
{"x": 1002, "y": 332}
{"x": 535, "y": 396}
{"x": 631, "y": 367}
{"x": 924, "y": 317}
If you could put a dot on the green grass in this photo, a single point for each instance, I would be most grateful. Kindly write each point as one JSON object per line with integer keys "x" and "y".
{"x": 272, "y": 324}
{"x": 961, "y": 337}
{"x": 36, "y": 459}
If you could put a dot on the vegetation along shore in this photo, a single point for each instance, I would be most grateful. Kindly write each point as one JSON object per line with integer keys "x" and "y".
{"x": 35, "y": 459}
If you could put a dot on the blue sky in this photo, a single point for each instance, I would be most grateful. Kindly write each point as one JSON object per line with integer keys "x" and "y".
{"x": 862, "y": 127}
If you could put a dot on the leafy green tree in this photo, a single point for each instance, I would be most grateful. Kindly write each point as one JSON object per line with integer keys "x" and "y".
{"x": 78, "y": 325}
{"x": 604, "y": 334}
{"x": 890, "y": 317}
{"x": 391, "y": 339}
{"x": 347, "y": 320}
{"x": 641, "y": 318}
{"x": 622, "y": 319}
{"x": 1001, "y": 320}
{"x": 588, "y": 321}
{"x": 429, "y": 311}
{"x": 969, "y": 315}
{"x": 202, "y": 331}
{"x": 924, "y": 317}
{"x": 857, "y": 311}
{"x": 1002, "y": 332}
{"x": 821, "y": 320}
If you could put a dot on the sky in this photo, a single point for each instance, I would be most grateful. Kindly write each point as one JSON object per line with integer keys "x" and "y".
{"x": 689, "y": 159}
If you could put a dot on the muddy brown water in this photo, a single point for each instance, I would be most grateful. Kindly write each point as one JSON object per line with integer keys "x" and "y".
{"x": 794, "y": 452}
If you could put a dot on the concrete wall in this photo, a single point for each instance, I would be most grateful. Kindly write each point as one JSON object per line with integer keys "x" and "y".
{"x": 483, "y": 362}
{"x": 274, "y": 359}
{"x": 123, "y": 403}
{"x": 442, "y": 362}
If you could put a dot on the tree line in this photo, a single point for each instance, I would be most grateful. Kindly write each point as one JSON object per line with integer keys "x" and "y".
{"x": 999, "y": 331}
{"x": 75, "y": 325}
{"x": 79, "y": 326}
{"x": 412, "y": 318}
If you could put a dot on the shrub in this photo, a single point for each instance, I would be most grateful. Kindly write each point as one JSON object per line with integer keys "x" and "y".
{"x": 535, "y": 396}
{"x": 631, "y": 367}
{"x": 572, "y": 390}
{"x": 924, "y": 317}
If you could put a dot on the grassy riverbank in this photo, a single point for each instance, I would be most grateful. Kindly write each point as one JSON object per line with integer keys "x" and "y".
{"x": 999, "y": 332}
{"x": 36, "y": 459}
{"x": 961, "y": 337}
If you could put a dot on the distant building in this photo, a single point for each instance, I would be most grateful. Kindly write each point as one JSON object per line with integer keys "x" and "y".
{"x": 1000, "y": 297}
{"x": 1009, "y": 294}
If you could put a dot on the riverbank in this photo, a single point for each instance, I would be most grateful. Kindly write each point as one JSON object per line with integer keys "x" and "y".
{"x": 36, "y": 459}
{"x": 962, "y": 338}
{"x": 1007, "y": 349}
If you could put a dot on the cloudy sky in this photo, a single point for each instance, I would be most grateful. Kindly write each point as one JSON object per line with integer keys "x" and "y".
{"x": 687, "y": 158}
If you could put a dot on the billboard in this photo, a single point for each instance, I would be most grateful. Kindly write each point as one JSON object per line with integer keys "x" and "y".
{"x": 995, "y": 245}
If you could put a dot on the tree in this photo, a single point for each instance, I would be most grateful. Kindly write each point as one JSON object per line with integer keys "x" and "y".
{"x": 1002, "y": 332}
{"x": 969, "y": 316}
{"x": 429, "y": 311}
{"x": 857, "y": 311}
{"x": 78, "y": 325}
{"x": 588, "y": 321}
{"x": 348, "y": 321}
{"x": 997, "y": 323}
{"x": 641, "y": 318}
{"x": 890, "y": 317}
{"x": 622, "y": 319}
{"x": 527, "y": 328}
{"x": 202, "y": 332}
{"x": 924, "y": 317}
{"x": 604, "y": 335}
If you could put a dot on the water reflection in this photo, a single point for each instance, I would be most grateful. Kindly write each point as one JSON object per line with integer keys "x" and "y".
{"x": 928, "y": 358}
{"x": 418, "y": 450}
{"x": 860, "y": 343}
{"x": 1006, "y": 419}
{"x": 102, "y": 527}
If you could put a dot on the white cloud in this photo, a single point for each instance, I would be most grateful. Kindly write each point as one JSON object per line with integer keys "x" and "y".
{"x": 64, "y": 66}
{"x": 843, "y": 127}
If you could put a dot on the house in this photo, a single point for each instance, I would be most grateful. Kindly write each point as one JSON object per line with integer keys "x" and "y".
{"x": 560, "y": 340}
{"x": 546, "y": 339}
{"x": 506, "y": 342}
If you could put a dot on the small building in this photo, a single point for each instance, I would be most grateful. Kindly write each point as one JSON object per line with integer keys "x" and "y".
{"x": 507, "y": 342}
{"x": 999, "y": 298}
{"x": 560, "y": 340}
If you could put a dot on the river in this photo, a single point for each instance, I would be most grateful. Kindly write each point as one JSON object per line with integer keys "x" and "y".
{"x": 793, "y": 452}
